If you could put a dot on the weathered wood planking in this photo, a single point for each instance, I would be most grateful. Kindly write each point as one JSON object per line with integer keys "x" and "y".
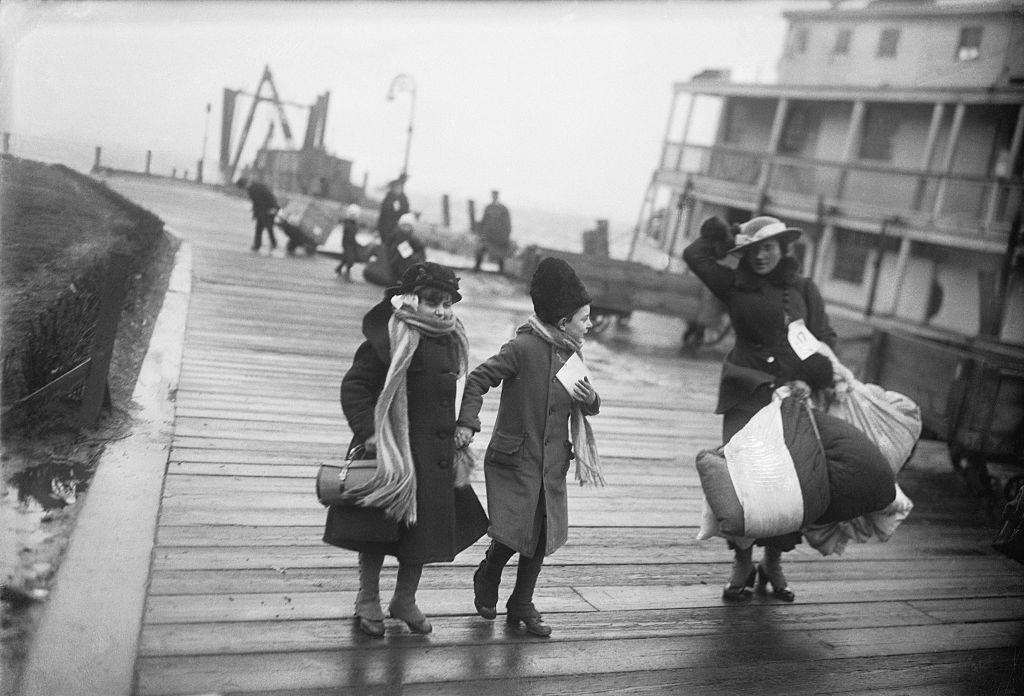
{"x": 245, "y": 599}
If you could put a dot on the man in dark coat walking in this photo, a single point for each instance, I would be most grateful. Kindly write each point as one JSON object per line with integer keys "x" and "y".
{"x": 495, "y": 230}
{"x": 264, "y": 210}
{"x": 392, "y": 208}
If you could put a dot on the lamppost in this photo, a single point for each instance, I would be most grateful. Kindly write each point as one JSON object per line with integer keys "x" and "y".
{"x": 202, "y": 157}
{"x": 404, "y": 83}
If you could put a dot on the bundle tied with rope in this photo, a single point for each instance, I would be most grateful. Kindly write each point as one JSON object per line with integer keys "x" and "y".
{"x": 790, "y": 467}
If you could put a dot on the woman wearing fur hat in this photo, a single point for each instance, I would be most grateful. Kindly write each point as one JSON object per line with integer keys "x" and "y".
{"x": 541, "y": 426}
{"x": 399, "y": 400}
{"x": 765, "y": 294}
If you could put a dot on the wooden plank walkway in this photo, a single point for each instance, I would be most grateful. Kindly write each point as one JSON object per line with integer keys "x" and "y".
{"x": 244, "y": 598}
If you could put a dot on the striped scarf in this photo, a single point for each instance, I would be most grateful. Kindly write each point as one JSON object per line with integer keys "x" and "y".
{"x": 588, "y": 462}
{"x": 393, "y": 486}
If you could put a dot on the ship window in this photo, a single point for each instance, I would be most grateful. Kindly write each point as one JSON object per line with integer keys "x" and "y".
{"x": 736, "y": 115}
{"x": 851, "y": 260}
{"x": 888, "y": 40}
{"x": 970, "y": 44}
{"x": 801, "y": 123}
{"x": 879, "y": 130}
{"x": 842, "y": 45}
{"x": 798, "y": 41}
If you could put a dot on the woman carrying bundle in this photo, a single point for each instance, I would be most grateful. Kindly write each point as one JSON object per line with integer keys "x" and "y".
{"x": 767, "y": 298}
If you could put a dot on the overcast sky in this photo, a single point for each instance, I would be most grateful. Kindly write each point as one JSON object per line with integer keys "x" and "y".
{"x": 560, "y": 105}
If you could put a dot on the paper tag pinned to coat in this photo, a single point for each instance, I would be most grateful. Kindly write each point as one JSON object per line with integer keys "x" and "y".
{"x": 802, "y": 340}
{"x": 572, "y": 372}
{"x": 405, "y": 250}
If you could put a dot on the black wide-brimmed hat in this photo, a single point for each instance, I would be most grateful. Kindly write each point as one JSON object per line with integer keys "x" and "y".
{"x": 556, "y": 290}
{"x": 426, "y": 275}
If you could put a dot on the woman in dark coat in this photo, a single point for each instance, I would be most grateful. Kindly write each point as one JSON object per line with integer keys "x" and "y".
{"x": 399, "y": 400}
{"x": 766, "y": 297}
{"x": 541, "y": 426}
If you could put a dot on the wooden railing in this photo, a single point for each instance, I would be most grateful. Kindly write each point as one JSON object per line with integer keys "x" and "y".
{"x": 961, "y": 202}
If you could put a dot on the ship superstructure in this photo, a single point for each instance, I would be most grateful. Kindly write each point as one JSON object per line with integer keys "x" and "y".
{"x": 893, "y": 137}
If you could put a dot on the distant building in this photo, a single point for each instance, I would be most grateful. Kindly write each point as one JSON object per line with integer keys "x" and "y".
{"x": 308, "y": 171}
{"x": 893, "y": 138}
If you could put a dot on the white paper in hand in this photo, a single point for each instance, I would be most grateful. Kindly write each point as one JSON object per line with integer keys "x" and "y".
{"x": 405, "y": 249}
{"x": 572, "y": 372}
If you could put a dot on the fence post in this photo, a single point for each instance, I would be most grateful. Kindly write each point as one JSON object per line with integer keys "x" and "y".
{"x": 446, "y": 216}
{"x": 96, "y": 159}
{"x": 149, "y": 159}
{"x": 96, "y": 391}
{"x": 7, "y": 143}
{"x": 472, "y": 214}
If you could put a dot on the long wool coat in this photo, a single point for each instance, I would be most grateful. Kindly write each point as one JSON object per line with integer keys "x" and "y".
{"x": 530, "y": 449}
{"x": 448, "y": 520}
{"x": 760, "y": 308}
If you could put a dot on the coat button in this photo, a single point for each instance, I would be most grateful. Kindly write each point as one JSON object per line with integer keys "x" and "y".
{"x": 554, "y": 379}
{"x": 446, "y": 402}
{"x": 771, "y": 359}
{"x": 443, "y": 464}
{"x": 442, "y": 435}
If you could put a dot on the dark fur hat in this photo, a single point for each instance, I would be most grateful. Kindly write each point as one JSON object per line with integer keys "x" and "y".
{"x": 556, "y": 290}
{"x": 426, "y": 275}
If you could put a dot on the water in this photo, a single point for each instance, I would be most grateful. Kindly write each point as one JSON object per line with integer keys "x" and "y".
{"x": 556, "y": 230}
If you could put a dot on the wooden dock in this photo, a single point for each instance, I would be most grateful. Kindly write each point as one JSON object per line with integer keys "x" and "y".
{"x": 244, "y": 598}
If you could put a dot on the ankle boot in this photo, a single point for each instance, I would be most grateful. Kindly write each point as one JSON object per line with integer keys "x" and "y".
{"x": 520, "y": 607}
{"x": 403, "y": 604}
{"x": 368, "y": 614}
{"x": 742, "y": 578}
{"x": 487, "y": 578}
{"x": 770, "y": 571}
{"x": 485, "y": 593}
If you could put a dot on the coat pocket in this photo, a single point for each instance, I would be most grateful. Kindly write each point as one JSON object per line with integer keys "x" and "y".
{"x": 505, "y": 449}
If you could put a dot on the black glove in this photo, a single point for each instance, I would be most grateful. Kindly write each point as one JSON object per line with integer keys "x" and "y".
{"x": 718, "y": 231}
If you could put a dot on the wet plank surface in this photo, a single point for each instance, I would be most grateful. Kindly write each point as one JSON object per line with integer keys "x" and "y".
{"x": 244, "y": 598}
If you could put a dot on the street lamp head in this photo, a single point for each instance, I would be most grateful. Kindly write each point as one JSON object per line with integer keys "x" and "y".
{"x": 403, "y": 82}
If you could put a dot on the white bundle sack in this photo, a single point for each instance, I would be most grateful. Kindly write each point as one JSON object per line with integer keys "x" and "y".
{"x": 764, "y": 475}
{"x": 890, "y": 419}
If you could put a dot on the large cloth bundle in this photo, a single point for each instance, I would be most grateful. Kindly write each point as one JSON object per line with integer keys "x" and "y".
{"x": 788, "y": 468}
{"x": 859, "y": 476}
{"x": 893, "y": 422}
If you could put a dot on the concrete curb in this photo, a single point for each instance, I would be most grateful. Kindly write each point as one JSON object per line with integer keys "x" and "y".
{"x": 88, "y": 637}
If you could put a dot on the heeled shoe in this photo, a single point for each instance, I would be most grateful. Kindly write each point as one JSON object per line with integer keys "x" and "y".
{"x": 371, "y": 627}
{"x": 482, "y": 591}
{"x": 783, "y": 593}
{"x": 413, "y": 618}
{"x": 740, "y": 593}
{"x": 533, "y": 623}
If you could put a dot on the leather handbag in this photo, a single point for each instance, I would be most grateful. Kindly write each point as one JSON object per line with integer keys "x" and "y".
{"x": 333, "y": 481}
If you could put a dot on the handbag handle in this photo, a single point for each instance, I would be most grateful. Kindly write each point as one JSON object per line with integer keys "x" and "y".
{"x": 357, "y": 452}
